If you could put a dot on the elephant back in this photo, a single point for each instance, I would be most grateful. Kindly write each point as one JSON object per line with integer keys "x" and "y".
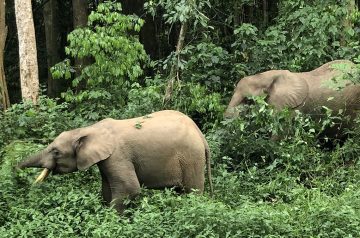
{"x": 330, "y": 68}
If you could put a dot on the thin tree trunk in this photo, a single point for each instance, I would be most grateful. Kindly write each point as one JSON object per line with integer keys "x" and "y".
{"x": 29, "y": 76}
{"x": 265, "y": 13}
{"x": 174, "y": 71}
{"x": 237, "y": 14}
{"x": 80, "y": 15}
{"x": 4, "y": 95}
{"x": 251, "y": 10}
{"x": 52, "y": 34}
{"x": 351, "y": 6}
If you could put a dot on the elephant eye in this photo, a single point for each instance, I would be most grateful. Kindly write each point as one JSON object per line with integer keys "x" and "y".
{"x": 56, "y": 152}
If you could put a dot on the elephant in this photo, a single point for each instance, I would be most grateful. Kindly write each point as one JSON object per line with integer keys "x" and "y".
{"x": 159, "y": 150}
{"x": 307, "y": 92}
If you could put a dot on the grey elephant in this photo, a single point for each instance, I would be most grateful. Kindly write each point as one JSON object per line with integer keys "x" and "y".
{"x": 307, "y": 92}
{"x": 163, "y": 149}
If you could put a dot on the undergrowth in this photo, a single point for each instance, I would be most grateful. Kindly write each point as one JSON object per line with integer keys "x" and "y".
{"x": 263, "y": 188}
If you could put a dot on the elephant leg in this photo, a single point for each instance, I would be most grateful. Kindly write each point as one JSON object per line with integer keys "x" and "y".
{"x": 122, "y": 183}
{"x": 193, "y": 176}
{"x": 105, "y": 189}
{"x": 125, "y": 186}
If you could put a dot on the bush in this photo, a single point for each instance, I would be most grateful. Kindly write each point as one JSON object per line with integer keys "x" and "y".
{"x": 194, "y": 100}
{"x": 250, "y": 138}
{"x": 211, "y": 66}
{"x": 190, "y": 98}
{"x": 282, "y": 145}
{"x": 42, "y": 122}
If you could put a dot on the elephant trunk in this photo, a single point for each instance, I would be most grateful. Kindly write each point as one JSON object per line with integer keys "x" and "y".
{"x": 39, "y": 160}
{"x": 32, "y": 161}
{"x": 231, "y": 110}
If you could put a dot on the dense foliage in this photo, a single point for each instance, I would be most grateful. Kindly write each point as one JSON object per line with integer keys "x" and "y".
{"x": 117, "y": 57}
{"x": 262, "y": 188}
{"x": 296, "y": 185}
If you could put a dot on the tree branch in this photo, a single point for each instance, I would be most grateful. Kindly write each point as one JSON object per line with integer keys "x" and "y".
{"x": 174, "y": 71}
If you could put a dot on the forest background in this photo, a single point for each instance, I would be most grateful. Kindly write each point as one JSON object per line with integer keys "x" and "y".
{"x": 123, "y": 59}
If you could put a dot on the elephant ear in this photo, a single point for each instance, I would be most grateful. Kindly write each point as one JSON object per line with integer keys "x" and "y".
{"x": 288, "y": 90}
{"x": 91, "y": 146}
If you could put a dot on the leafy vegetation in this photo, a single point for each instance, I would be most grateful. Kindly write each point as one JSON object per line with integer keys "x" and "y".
{"x": 280, "y": 189}
{"x": 117, "y": 57}
{"x": 273, "y": 175}
{"x": 316, "y": 35}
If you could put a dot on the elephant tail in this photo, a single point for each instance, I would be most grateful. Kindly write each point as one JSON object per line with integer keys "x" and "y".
{"x": 208, "y": 166}
{"x": 207, "y": 159}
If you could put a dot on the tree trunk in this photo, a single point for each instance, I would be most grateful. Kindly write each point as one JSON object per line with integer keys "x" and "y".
{"x": 148, "y": 31}
{"x": 4, "y": 95}
{"x": 265, "y": 13}
{"x": 351, "y": 6}
{"x": 52, "y": 35}
{"x": 251, "y": 10}
{"x": 174, "y": 71}
{"x": 80, "y": 15}
{"x": 237, "y": 14}
{"x": 29, "y": 76}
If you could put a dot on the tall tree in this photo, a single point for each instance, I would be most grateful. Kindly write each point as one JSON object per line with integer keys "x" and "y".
{"x": 80, "y": 15}
{"x": 4, "y": 95}
{"x": 52, "y": 34}
{"x": 29, "y": 76}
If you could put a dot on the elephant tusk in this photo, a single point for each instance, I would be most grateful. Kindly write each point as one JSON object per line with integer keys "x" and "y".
{"x": 43, "y": 175}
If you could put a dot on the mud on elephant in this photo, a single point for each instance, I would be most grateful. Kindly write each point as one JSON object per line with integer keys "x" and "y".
{"x": 307, "y": 92}
{"x": 163, "y": 149}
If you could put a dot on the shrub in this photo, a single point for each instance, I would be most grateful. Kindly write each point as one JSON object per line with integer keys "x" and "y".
{"x": 190, "y": 98}
{"x": 42, "y": 122}
{"x": 248, "y": 144}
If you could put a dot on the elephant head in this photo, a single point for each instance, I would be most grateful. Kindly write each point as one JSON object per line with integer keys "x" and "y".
{"x": 71, "y": 151}
{"x": 281, "y": 88}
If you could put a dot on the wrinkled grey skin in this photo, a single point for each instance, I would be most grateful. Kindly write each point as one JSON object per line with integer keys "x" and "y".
{"x": 164, "y": 149}
{"x": 306, "y": 92}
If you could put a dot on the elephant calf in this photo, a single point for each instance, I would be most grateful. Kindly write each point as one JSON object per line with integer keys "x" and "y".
{"x": 307, "y": 92}
{"x": 163, "y": 149}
